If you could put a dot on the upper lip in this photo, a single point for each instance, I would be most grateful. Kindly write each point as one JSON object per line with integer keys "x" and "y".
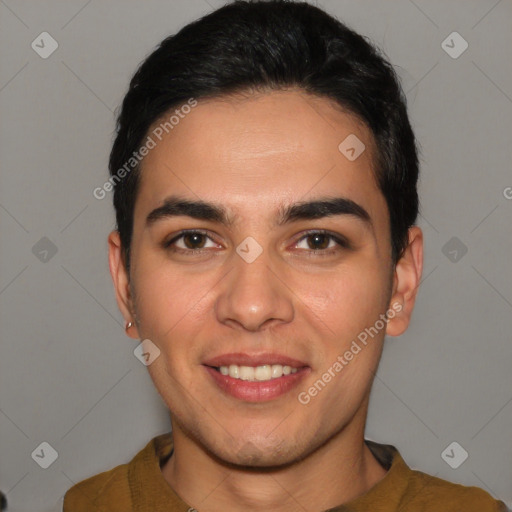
{"x": 260, "y": 359}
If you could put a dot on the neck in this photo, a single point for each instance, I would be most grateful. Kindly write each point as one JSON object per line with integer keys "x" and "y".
{"x": 335, "y": 473}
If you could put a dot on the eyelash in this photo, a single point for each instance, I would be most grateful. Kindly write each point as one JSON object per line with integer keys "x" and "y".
{"x": 341, "y": 241}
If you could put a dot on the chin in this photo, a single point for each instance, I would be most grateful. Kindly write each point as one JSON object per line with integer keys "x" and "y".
{"x": 258, "y": 460}
{"x": 264, "y": 455}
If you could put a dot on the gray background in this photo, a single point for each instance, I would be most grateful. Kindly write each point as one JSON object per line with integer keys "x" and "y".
{"x": 68, "y": 375}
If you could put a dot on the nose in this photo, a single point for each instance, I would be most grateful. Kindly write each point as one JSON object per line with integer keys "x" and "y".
{"x": 254, "y": 296}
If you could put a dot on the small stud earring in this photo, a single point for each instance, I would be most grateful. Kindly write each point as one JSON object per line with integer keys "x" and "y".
{"x": 128, "y": 325}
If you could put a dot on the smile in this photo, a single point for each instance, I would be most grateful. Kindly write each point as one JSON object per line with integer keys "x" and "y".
{"x": 256, "y": 373}
{"x": 256, "y": 384}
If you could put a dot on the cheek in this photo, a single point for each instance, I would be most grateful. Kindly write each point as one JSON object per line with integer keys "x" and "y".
{"x": 351, "y": 308}
{"x": 346, "y": 301}
{"x": 172, "y": 308}
{"x": 163, "y": 292}
{"x": 169, "y": 310}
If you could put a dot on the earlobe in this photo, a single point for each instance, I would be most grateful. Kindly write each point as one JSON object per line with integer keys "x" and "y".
{"x": 121, "y": 283}
{"x": 406, "y": 281}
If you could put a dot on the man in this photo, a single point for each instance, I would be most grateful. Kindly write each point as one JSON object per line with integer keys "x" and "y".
{"x": 265, "y": 191}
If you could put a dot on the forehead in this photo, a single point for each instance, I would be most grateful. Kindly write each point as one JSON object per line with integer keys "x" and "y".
{"x": 256, "y": 153}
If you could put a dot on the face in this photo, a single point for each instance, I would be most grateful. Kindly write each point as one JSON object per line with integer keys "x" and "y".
{"x": 265, "y": 288}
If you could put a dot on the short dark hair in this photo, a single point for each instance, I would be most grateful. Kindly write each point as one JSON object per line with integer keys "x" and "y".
{"x": 273, "y": 45}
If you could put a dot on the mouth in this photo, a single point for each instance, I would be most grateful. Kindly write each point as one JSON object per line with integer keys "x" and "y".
{"x": 256, "y": 378}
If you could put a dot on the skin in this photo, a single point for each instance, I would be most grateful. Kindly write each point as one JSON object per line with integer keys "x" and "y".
{"x": 252, "y": 154}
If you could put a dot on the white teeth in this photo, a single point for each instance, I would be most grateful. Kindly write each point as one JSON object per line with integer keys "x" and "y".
{"x": 277, "y": 370}
{"x": 245, "y": 373}
{"x": 258, "y": 373}
{"x": 263, "y": 372}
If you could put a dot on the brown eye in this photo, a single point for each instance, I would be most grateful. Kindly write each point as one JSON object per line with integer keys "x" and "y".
{"x": 323, "y": 242}
{"x": 193, "y": 240}
{"x": 188, "y": 241}
{"x": 318, "y": 241}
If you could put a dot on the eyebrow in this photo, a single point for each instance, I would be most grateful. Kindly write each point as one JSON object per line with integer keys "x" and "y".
{"x": 174, "y": 206}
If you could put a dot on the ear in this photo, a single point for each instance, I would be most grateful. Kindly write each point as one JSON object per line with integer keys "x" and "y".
{"x": 121, "y": 281}
{"x": 406, "y": 280}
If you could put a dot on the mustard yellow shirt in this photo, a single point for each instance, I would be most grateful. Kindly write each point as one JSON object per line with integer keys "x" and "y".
{"x": 140, "y": 486}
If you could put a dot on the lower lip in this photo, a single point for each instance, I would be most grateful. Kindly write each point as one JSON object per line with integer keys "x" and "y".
{"x": 257, "y": 391}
